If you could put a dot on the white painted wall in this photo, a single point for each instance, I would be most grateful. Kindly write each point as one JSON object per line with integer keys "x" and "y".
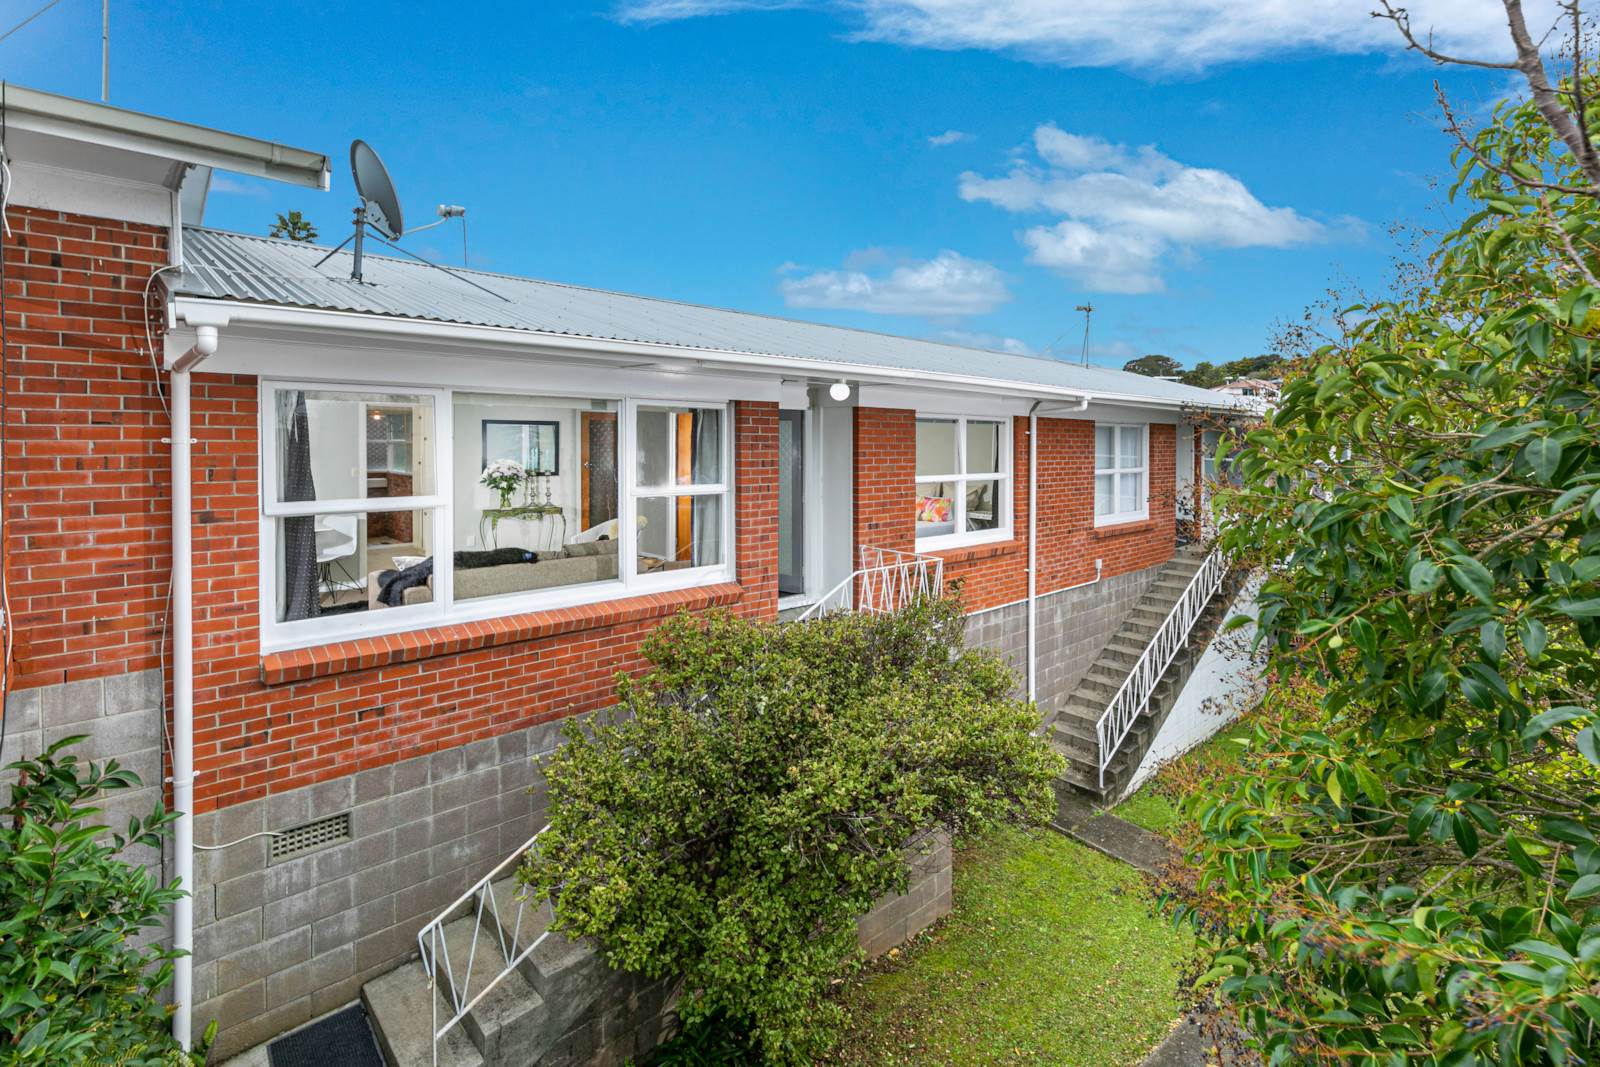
{"x": 472, "y": 496}
{"x": 1225, "y": 683}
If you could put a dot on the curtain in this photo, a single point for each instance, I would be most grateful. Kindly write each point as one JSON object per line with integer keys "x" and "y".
{"x": 300, "y": 594}
{"x": 706, "y": 442}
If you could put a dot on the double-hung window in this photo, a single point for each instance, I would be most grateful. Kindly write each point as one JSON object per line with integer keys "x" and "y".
{"x": 387, "y": 509}
{"x": 1121, "y": 473}
{"x": 963, "y": 479}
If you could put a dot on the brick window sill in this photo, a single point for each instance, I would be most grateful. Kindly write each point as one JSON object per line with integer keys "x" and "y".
{"x": 977, "y": 552}
{"x": 302, "y": 664}
{"x": 1122, "y": 529}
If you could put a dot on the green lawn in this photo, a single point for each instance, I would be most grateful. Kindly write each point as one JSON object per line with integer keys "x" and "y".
{"x": 1157, "y": 804}
{"x": 1052, "y": 955}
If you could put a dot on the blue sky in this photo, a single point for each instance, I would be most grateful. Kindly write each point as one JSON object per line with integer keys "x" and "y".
{"x": 961, "y": 169}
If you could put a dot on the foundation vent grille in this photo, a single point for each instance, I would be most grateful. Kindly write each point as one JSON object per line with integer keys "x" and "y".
{"x": 321, "y": 833}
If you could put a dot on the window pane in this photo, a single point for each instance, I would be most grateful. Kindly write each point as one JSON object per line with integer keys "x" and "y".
{"x": 535, "y": 499}
{"x": 1130, "y": 495}
{"x": 343, "y": 445}
{"x": 679, "y": 446}
{"x": 983, "y": 505}
{"x": 983, "y": 447}
{"x": 679, "y": 531}
{"x": 1104, "y": 494}
{"x": 936, "y": 447}
{"x": 1130, "y": 450}
{"x": 334, "y": 564}
{"x": 1105, "y": 452}
{"x": 936, "y": 508}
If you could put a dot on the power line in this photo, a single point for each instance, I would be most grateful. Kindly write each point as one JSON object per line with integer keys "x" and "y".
{"x": 29, "y": 19}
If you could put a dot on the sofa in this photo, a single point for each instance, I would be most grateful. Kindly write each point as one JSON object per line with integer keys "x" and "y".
{"x": 576, "y": 564}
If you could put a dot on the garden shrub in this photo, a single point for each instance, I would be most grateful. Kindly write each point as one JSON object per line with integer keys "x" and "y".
{"x": 753, "y": 795}
{"x": 1408, "y": 869}
{"x": 75, "y": 988}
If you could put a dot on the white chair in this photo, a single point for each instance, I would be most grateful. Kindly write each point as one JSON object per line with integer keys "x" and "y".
{"x": 336, "y": 540}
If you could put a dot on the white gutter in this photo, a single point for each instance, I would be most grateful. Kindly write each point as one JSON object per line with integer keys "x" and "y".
{"x": 534, "y": 342}
{"x": 134, "y": 131}
{"x": 1033, "y": 539}
{"x": 183, "y": 679}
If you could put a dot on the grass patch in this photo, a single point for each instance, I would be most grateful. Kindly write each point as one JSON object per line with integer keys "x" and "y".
{"x": 1158, "y": 805}
{"x": 1052, "y": 955}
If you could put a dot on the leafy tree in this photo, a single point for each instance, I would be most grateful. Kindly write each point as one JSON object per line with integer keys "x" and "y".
{"x": 1205, "y": 374}
{"x": 293, "y": 227}
{"x": 1409, "y": 871}
{"x": 1154, "y": 366}
{"x": 75, "y": 987}
{"x": 756, "y": 796}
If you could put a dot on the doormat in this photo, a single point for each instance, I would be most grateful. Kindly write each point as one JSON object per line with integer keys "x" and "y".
{"x": 343, "y": 1039}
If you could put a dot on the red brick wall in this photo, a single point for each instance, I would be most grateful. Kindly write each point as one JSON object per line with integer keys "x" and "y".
{"x": 85, "y": 494}
{"x": 87, "y": 527}
{"x": 252, "y": 738}
{"x": 1069, "y": 543}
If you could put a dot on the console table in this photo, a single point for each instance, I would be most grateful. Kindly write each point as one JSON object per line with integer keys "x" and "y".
{"x": 547, "y": 520}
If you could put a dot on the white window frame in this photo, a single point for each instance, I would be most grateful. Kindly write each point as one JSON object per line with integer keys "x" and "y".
{"x": 961, "y": 536}
{"x": 444, "y": 609}
{"x": 1120, "y": 518}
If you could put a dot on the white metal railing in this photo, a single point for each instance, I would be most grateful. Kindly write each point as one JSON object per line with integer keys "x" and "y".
{"x": 479, "y": 901}
{"x": 1134, "y": 696}
{"x": 885, "y": 580}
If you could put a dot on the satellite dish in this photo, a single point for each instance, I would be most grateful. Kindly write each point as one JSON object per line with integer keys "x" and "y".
{"x": 381, "y": 204}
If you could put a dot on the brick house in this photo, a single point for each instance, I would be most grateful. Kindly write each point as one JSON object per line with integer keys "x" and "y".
{"x": 366, "y": 643}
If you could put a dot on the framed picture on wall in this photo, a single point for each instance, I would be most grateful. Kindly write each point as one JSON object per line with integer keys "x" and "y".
{"x": 533, "y": 444}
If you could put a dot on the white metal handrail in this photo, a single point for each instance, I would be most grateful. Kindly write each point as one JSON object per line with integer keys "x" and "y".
{"x": 885, "y": 580}
{"x": 435, "y": 950}
{"x": 1134, "y": 696}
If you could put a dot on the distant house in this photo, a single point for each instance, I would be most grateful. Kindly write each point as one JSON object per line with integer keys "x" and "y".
{"x": 366, "y": 640}
{"x": 1259, "y": 395}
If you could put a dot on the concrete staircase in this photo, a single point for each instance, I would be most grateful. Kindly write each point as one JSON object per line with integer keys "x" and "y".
{"x": 1073, "y": 730}
{"x": 562, "y": 1005}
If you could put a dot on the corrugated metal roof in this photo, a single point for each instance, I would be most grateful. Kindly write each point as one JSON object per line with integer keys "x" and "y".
{"x": 232, "y": 266}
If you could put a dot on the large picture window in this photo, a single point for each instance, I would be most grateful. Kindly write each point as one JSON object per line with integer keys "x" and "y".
{"x": 385, "y": 511}
{"x": 1121, "y": 474}
{"x": 962, "y": 479}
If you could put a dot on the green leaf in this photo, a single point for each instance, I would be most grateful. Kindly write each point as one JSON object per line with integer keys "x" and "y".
{"x": 1534, "y": 637}
{"x": 1424, "y": 577}
{"x": 1473, "y": 578}
{"x": 1584, "y": 887}
{"x": 1542, "y": 724}
{"x": 1579, "y": 609}
{"x": 1543, "y": 457}
{"x": 1564, "y": 829}
{"x": 1492, "y": 638}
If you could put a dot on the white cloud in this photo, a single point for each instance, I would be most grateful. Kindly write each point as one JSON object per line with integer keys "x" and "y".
{"x": 949, "y": 284}
{"x": 990, "y": 341}
{"x": 949, "y": 137}
{"x": 1172, "y": 35}
{"x": 1125, "y": 213}
{"x": 222, "y": 183}
{"x": 672, "y": 10}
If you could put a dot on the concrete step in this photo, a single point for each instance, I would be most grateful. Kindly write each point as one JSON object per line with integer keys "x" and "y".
{"x": 401, "y": 1008}
{"x": 569, "y": 974}
{"x": 510, "y": 1024}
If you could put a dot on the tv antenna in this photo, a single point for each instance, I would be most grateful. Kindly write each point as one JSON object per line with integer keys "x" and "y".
{"x": 1088, "y": 312}
{"x": 380, "y": 210}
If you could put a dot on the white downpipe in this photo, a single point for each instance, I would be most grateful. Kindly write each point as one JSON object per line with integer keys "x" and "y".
{"x": 1033, "y": 552}
{"x": 183, "y": 681}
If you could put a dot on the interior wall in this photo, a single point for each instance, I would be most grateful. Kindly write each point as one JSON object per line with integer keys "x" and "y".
{"x": 472, "y": 497}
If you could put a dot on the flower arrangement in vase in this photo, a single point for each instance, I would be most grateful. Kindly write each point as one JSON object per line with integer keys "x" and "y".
{"x": 503, "y": 476}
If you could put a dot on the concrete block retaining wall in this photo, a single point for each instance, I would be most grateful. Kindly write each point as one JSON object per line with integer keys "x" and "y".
{"x": 1074, "y": 627}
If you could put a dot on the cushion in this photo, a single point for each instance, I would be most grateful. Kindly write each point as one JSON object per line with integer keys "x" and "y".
{"x": 590, "y": 548}
{"x": 933, "y": 509}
